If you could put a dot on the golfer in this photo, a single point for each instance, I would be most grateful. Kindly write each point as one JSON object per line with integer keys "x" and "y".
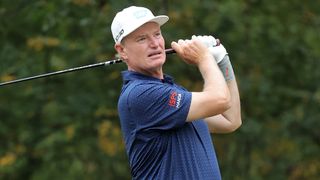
{"x": 166, "y": 128}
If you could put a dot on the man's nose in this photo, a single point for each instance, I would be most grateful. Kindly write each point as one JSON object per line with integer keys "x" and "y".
{"x": 154, "y": 42}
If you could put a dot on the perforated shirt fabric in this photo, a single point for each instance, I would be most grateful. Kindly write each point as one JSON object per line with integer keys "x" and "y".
{"x": 160, "y": 144}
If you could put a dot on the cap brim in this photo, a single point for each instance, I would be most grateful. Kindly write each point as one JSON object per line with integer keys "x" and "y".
{"x": 161, "y": 19}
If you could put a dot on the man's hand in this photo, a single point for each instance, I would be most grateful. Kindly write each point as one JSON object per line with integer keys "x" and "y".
{"x": 217, "y": 50}
{"x": 220, "y": 54}
{"x": 191, "y": 51}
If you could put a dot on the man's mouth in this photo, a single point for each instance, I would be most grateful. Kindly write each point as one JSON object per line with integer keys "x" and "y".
{"x": 155, "y": 53}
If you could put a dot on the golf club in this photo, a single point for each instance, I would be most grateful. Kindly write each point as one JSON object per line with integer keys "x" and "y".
{"x": 106, "y": 63}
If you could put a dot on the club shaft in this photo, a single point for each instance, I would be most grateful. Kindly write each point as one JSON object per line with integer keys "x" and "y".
{"x": 115, "y": 61}
{"x": 107, "y": 63}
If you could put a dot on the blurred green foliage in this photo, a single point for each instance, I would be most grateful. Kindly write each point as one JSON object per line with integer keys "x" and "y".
{"x": 67, "y": 127}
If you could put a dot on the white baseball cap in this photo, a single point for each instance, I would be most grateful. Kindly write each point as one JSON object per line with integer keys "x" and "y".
{"x": 130, "y": 19}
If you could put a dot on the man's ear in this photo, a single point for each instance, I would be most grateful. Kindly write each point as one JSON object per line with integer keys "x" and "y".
{"x": 121, "y": 51}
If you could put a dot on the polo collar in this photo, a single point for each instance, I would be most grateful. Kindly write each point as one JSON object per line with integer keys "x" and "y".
{"x": 132, "y": 75}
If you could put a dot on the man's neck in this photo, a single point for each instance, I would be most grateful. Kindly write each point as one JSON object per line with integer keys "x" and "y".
{"x": 153, "y": 73}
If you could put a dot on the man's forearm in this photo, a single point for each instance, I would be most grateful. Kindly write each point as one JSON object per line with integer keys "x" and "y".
{"x": 213, "y": 79}
{"x": 229, "y": 120}
{"x": 234, "y": 113}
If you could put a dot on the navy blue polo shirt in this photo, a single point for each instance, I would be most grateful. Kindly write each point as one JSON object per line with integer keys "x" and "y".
{"x": 160, "y": 144}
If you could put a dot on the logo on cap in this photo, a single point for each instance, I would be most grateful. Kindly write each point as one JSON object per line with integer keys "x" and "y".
{"x": 140, "y": 14}
{"x": 119, "y": 35}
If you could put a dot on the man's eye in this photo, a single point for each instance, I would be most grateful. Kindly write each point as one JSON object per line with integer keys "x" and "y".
{"x": 141, "y": 39}
{"x": 158, "y": 35}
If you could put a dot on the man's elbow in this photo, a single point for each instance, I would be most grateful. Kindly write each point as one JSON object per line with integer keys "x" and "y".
{"x": 224, "y": 101}
{"x": 235, "y": 125}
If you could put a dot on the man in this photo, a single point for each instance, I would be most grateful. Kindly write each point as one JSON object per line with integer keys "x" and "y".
{"x": 165, "y": 127}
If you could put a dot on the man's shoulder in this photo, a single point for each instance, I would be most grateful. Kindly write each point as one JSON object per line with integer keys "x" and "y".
{"x": 138, "y": 85}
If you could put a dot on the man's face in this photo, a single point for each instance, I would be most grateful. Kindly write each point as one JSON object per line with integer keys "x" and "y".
{"x": 143, "y": 49}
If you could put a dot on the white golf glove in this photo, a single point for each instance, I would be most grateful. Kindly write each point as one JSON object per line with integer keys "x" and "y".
{"x": 217, "y": 50}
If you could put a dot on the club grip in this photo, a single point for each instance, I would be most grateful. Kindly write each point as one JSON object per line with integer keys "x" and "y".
{"x": 171, "y": 51}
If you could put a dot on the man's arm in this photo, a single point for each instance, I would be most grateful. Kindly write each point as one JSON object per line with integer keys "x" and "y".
{"x": 229, "y": 120}
{"x": 215, "y": 97}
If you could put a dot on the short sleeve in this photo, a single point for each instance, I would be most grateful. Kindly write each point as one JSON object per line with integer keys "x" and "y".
{"x": 159, "y": 106}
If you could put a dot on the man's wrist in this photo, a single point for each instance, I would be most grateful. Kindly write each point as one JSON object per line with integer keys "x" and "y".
{"x": 226, "y": 68}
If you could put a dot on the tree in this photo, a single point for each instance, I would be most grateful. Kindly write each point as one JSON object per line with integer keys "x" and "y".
{"x": 67, "y": 127}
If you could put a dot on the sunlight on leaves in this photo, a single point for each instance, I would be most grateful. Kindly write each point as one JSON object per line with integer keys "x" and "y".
{"x": 103, "y": 111}
{"x": 8, "y": 159}
{"x": 7, "y": 77}
{"x": 40, "y": 42}
{"x": 306, "y": 170}
{"x": 70, "y": 131}
{"x": 109, "y": 138}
